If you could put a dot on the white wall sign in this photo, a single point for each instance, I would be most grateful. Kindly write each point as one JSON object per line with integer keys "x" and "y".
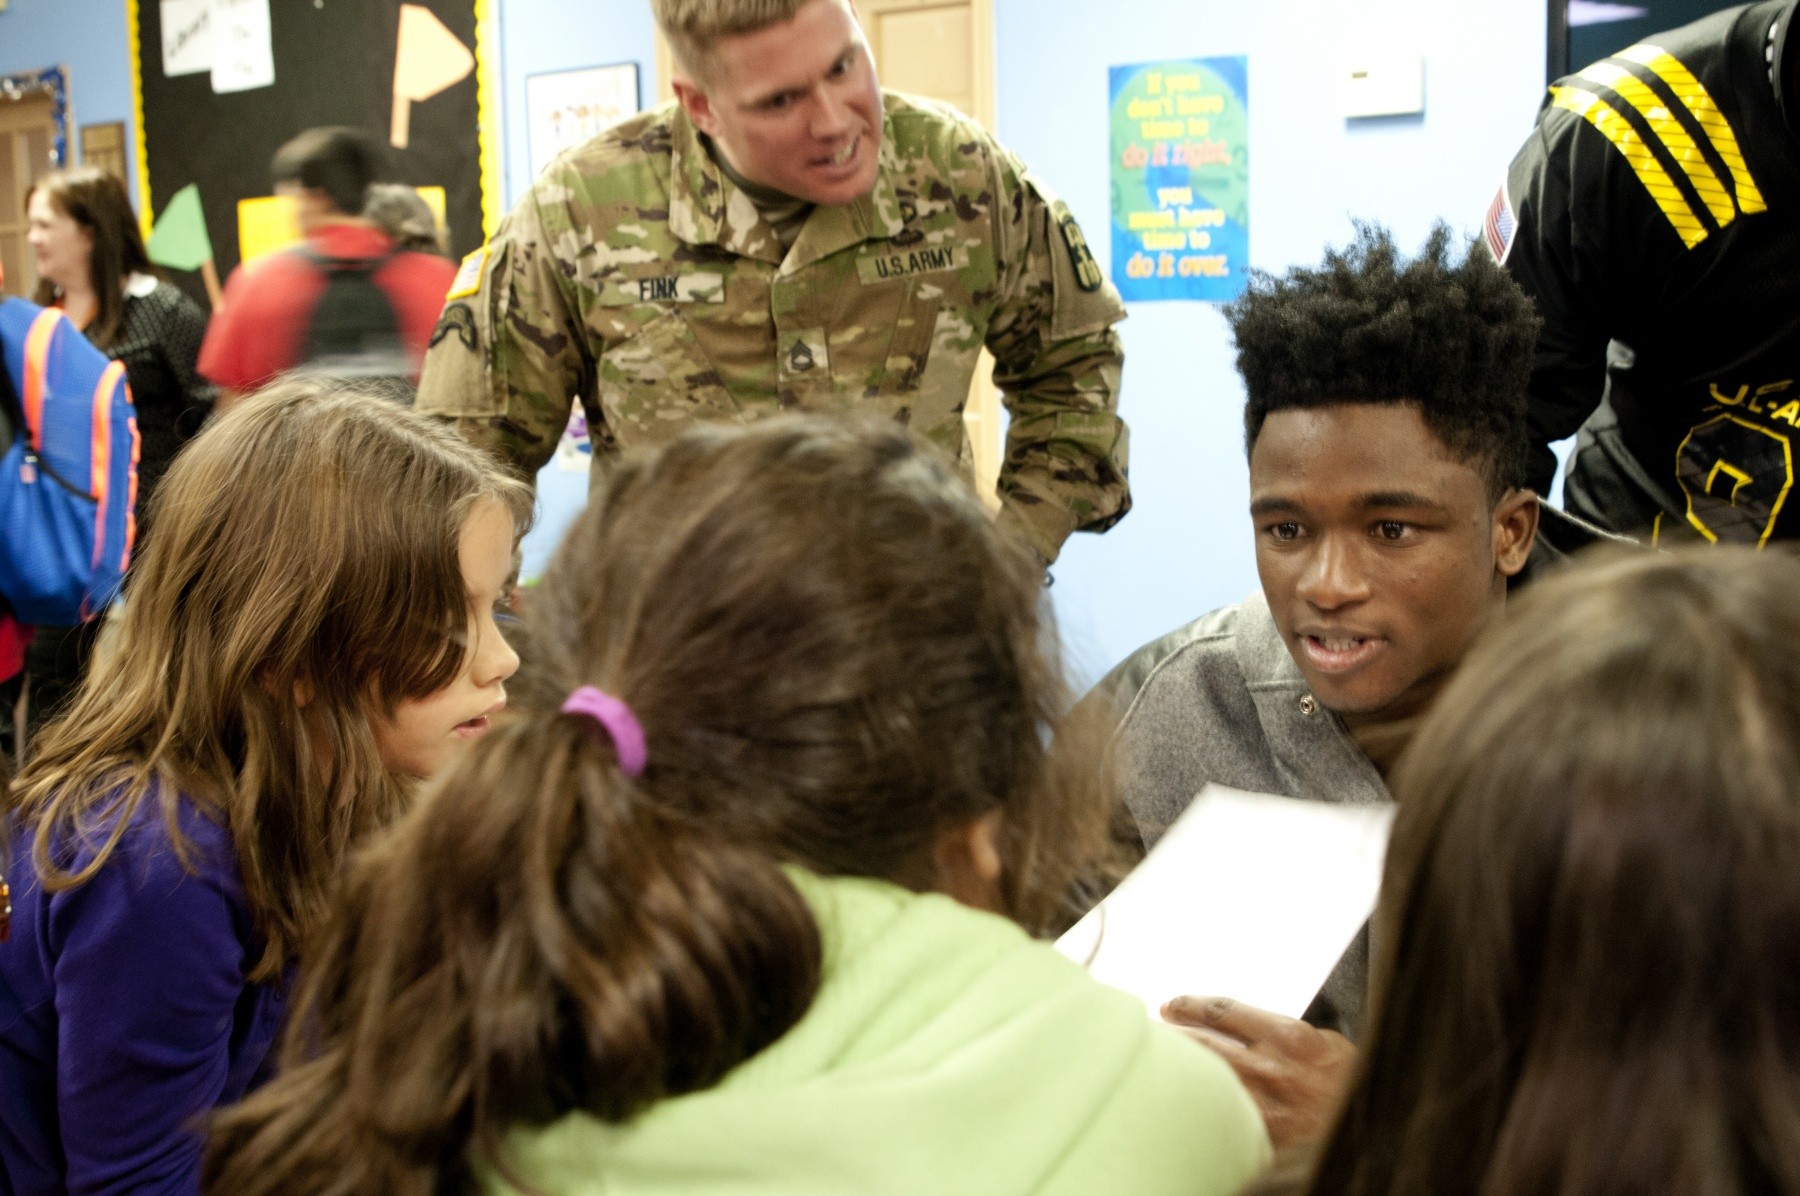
{"x": 1385, "y": 82}
{"x": 243, "y": 46}
{"x": 187, "y": 37}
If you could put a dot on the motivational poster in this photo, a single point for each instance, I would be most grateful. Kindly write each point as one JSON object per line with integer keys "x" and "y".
{"x": 1180, "y": 179}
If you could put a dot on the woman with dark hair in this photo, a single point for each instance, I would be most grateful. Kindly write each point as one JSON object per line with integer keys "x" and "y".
{"x": 1585, "y": 953}
{"x": 91, "y": 263}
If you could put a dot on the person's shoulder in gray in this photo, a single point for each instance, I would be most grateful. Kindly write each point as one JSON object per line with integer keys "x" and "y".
{"x": 1385, "y": 427}
{"x": 1221, "y": 702}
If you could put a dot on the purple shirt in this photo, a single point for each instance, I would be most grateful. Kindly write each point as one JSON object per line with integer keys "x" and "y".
{"x": 124, "y": 1013}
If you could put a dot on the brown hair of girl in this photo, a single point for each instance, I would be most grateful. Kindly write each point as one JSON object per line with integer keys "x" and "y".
{"x": 96, "y": 200}
{"x": 1585, "y": 976}
{"x": 305, "y": 575}
{"x": 835, "y": 656}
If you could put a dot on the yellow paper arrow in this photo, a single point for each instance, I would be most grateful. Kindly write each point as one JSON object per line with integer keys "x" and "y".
{"x": 430, "y": 59}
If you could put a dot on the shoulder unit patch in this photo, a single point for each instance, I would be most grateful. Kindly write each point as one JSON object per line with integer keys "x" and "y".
{"x": 1087, "y": 271}
{"x": 468, "y": 276}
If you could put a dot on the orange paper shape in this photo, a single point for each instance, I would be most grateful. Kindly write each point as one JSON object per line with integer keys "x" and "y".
{"x": 430, "y": 59}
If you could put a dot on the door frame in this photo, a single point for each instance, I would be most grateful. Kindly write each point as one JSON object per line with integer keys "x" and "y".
{"x": 52, "y": 81}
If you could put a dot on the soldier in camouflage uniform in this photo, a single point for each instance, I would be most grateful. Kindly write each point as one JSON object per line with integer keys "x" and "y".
{"x": 649, "y": 277}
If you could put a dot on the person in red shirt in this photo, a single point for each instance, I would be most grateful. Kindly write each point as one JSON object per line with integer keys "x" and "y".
{"x": 261, "y": 327}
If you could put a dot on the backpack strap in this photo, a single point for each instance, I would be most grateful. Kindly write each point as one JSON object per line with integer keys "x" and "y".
{"x": 100, "y": 470}
{"x": 37, "y": 368}
{"x": 12, "y": 420}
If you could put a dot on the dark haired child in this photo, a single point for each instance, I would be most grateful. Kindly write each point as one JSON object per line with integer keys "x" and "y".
{"x": 1385, "y": 426}
{"x": 270, "y": 320}
{"x": 738, "y": 899}
{"x": 311, "y": 629}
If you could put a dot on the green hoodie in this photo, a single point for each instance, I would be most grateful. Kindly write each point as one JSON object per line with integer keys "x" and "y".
{"x": 946, "y": 1052}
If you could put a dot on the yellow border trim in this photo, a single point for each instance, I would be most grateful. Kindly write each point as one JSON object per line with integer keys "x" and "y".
{"x": 487, "y": 104}
{"x": 140, "y": 144}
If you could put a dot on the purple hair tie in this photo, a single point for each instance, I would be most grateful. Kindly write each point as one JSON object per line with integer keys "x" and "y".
{"x": 616, "y": 719}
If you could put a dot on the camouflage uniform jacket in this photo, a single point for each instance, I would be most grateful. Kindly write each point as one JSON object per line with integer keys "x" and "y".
{"x": 635, "y": 276}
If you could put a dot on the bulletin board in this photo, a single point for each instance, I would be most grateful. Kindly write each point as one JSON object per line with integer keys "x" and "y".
{"x": 235, "y": 79}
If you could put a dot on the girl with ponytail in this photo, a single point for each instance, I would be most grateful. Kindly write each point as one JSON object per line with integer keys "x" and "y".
{"x": 739, "y": 896}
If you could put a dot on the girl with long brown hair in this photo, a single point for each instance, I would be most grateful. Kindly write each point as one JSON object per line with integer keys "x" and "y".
{"x": 312, "y": 629}
{"x": 736, "y": 899}
{"x": 1587, "y": 943}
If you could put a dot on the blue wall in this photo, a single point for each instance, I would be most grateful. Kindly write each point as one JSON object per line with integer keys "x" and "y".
{"x": 87, "y": 37}
{"x": 554, "y": 35}
{"x": 1186, "y": 547}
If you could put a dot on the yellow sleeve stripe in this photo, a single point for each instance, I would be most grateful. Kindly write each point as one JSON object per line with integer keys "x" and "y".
{"x": 1656, "y": 180}
{"x": 1699, "y": 103}
{"x": 1671, "y": 132}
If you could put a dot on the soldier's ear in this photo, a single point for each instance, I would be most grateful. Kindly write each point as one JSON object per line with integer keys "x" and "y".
{"x": 694, "y": 102}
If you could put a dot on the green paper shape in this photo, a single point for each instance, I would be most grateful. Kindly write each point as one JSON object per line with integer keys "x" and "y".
{"x": 179, "y": 240}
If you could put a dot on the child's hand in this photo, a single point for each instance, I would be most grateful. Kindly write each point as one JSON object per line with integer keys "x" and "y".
{"x": 1297, "y": 1073}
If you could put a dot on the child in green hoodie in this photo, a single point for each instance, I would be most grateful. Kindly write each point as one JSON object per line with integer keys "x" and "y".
{"x": 740, "y": 897}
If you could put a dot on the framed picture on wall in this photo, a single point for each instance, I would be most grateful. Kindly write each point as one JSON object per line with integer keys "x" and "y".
{"x": 563, "y": 109}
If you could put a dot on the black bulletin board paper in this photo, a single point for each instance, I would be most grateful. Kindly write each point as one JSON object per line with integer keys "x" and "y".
{"x": 334, "y": 65}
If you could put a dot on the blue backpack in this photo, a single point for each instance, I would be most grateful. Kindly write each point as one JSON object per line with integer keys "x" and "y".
{"x": 68, "y": 469}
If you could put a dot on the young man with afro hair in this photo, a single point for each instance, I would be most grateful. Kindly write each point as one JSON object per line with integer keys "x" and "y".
{"x": 1386, "y": 431}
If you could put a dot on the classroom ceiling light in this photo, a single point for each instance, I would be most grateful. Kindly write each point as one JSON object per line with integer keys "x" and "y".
{"x": 1597, "y": 12}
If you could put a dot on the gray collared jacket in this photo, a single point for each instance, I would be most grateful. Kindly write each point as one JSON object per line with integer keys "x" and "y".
{"x": 1221, "y": 701}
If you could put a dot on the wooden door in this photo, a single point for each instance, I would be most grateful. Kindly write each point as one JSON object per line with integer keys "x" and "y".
{"x": 944, "y": 50}
{"x": 103, "y": 146}
{"x": 27, "y": 138}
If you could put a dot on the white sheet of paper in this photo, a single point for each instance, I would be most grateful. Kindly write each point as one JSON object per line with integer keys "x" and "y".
{"x": 187, "y": 33}
{"x": 243, "y": 45}
{"x": 1248, "y": 896}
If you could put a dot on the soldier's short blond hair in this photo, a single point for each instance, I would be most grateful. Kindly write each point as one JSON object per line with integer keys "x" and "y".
{"x": 692, "y": 26}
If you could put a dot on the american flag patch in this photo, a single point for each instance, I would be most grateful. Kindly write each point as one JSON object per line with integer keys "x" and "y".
{"x": 1500, "y": 225}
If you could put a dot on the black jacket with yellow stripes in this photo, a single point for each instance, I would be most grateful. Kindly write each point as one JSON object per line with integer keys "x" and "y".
{"x": 1654, "y": 216}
